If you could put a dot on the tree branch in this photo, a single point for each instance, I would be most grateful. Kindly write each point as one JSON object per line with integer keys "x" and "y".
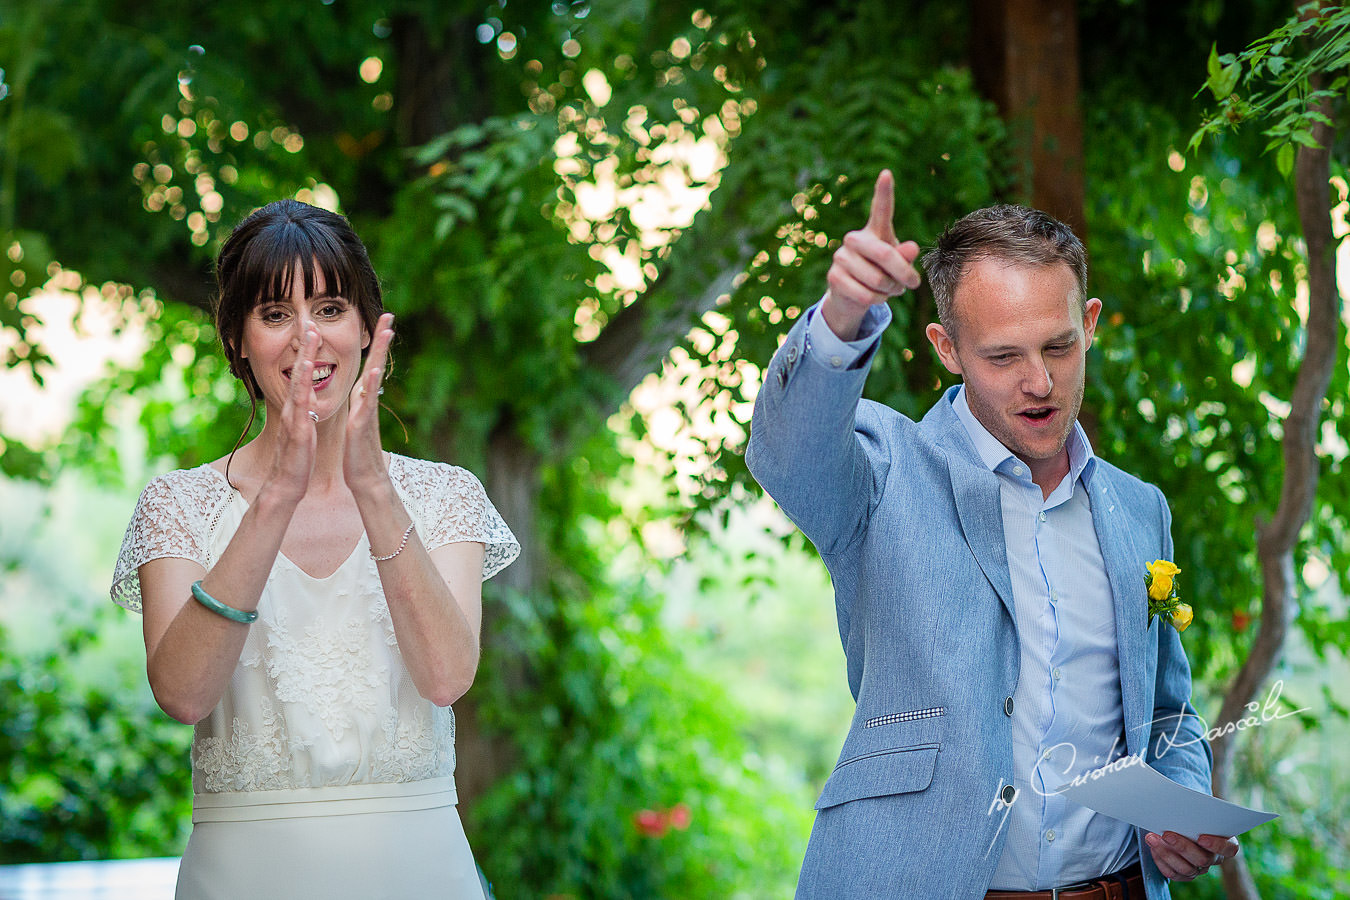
{"x": 703, "y": 267}
{"x": 639, "y": 337}
{"x": 1277, "y": 538}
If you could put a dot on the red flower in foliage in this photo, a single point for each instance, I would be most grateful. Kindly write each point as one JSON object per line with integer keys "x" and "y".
{"x": 650, "y": 822}
{"x": 656, "y": 822}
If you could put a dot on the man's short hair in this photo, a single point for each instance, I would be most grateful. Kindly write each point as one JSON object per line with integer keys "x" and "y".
{"x": 1018, "y": 235}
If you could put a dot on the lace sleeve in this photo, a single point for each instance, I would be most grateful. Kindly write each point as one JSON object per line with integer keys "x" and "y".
{"x": 170, "y": 520}
{"x": 452, "y": 506}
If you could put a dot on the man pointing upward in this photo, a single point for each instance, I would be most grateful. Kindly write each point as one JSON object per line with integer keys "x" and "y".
{"x": 989, "y": 579}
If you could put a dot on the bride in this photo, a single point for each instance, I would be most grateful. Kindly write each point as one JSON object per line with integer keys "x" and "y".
{"x": 311, "y": 602}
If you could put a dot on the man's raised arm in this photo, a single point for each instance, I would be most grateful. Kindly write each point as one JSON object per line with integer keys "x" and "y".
{"x": 803, "y": 447}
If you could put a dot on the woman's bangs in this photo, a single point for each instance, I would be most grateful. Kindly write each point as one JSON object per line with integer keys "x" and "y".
{"x": 268, "y": 269}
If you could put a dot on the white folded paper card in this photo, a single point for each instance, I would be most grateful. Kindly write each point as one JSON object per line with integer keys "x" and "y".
{"x": 1131, "y": 790}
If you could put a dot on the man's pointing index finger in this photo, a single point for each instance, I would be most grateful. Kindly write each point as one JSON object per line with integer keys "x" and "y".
{"x": 880, "y": 219}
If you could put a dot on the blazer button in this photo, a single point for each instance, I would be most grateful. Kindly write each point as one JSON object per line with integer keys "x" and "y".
{"x": 1008, "y": 707}
{"x": 1009, "y": 794}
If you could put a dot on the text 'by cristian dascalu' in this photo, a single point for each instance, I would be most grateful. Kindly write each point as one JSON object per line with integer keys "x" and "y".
{"x": 1005, "y": 804}
{"x": 1269, "y": 711}
{"x": 1123, "y": 762}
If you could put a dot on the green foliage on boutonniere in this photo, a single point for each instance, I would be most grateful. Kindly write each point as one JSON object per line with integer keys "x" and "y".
{"x": 1160, "y": 579}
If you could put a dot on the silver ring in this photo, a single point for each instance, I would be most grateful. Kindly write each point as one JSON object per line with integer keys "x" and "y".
{"x": 313, "y": 415}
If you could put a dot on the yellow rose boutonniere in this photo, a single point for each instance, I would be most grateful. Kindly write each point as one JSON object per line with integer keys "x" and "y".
{"x": 1182, "y": 617}
{"x": 1160, "y": 580}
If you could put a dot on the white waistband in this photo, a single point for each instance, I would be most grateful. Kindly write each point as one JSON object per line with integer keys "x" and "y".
{"x": 345, "y": 800}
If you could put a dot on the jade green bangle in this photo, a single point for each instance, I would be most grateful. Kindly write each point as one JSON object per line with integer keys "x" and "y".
{"x": 220, "y": 609}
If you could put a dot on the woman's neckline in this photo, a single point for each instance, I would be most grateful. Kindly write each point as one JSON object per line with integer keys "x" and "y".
{"x": 361, "y": 540}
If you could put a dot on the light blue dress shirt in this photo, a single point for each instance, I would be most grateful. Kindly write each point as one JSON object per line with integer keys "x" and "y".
{"x": 1067, "y": 716}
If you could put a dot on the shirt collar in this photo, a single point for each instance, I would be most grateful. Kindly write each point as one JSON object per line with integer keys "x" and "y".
{"x": 1082, "y": 461}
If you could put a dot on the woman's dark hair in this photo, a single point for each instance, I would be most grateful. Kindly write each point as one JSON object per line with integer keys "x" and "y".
{"x": 260, "y": 261}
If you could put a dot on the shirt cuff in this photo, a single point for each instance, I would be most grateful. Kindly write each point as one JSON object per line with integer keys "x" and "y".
{"x": 834, "y": 353}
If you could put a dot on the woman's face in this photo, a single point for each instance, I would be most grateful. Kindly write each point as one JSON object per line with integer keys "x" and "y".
{"x": 275, "y": 329}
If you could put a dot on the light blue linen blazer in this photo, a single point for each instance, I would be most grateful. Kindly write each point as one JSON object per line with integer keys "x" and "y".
{"x": 909, "y": 524}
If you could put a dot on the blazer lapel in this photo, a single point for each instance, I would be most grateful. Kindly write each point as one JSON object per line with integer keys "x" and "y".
{"x": 977, "y": 497}
{"x": 981, "y": 513}
{"x": 1125, "y": 571}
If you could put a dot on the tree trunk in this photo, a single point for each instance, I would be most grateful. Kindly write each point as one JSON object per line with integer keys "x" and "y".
{"x": 1276, "y": 539}
{"x": 442, "y": 84}
{"x": 1024, "y": 56}
{"x": 512, "y": 482}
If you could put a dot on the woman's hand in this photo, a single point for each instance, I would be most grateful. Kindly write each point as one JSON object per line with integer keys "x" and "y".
{"x": 294, "y": 460}
{"x": 363, "y": 457}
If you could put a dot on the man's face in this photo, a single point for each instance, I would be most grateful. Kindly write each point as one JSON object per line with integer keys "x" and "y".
{"x": 1020, "y": 348}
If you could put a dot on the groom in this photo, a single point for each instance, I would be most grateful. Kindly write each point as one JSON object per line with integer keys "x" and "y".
{"x": 989, "y": 580}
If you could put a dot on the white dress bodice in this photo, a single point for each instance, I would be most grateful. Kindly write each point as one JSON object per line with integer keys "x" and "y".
{"x": 321, "y": 696}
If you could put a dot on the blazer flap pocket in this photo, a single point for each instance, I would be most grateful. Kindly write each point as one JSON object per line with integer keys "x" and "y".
{"x": 879, "y": 774}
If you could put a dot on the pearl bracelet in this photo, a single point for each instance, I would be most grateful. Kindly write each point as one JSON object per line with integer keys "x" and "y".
{"x": 407, "y": 534}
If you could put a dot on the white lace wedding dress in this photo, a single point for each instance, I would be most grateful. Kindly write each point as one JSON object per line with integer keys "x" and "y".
{"x": 322, "y": 772}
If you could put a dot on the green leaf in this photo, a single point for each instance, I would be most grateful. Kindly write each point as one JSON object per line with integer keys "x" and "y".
{"x": 433, "y": 150}
{"x": 1305, "y": 137}
{"x": 1222, "y": 78}
{"x": 1284, "y": 159}
{"x": 1214, "y": 67}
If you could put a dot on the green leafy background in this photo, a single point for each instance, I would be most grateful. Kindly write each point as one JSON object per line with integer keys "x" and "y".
{"x": 669, "y": 641}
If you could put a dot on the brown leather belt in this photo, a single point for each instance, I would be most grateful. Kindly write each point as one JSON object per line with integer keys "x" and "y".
{"x": 1127, "y": 884}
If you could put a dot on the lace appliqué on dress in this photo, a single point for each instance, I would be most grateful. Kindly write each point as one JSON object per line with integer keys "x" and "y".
{"x": 329, "y": 670}
{"x": 382, "y": 619}
{"x": 246, "y": 761}
{"x": 454, "y": 507}
{"x": 417, "y": 747}
{"x": 173, "y": 518}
